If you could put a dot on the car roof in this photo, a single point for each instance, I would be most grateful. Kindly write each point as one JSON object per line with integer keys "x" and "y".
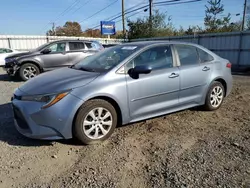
{"x": 143, "y": 44}
{"x": 72, "y": 40}
{"x": 148, "y": 43}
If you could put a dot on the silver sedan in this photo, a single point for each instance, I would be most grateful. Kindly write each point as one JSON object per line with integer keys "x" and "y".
{"x": 122, "y": 84}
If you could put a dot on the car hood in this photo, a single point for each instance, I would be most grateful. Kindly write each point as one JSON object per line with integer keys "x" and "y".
{"x": 57, "y": 81}
{"x": 20, "y": 54}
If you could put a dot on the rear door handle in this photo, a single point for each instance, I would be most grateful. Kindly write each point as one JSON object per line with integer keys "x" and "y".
{"x": 173, "y": 75}
{"x": 206, "y": 68}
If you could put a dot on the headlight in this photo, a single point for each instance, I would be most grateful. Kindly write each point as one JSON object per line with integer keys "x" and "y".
{"x": 48, "y": 100}
{"x": 7, "y": 60}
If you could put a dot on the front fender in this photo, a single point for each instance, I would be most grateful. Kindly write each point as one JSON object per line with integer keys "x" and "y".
{"x": 115, "y": 91}
{"x": 30, "y": 60}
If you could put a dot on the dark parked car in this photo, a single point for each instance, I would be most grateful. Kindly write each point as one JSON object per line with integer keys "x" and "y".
{"x": 50, "y": 56}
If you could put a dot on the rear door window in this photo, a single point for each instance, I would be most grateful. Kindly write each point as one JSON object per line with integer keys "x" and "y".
{"x": 98, "y": 45}
{"x": 92, "y": 46}
{"x": 187, "y": 54}
{"x": 76, "y": 46}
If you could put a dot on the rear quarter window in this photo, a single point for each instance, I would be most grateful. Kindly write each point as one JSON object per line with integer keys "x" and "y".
{"x": 204, "y": 56}
{"x": 94, "y": 46}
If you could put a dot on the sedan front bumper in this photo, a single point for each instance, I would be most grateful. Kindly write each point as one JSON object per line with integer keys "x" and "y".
{"x": 51, "y": 123}
{"x": 11, "y": 71}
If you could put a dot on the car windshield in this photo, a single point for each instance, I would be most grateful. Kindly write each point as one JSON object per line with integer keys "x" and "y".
{"x": 41, "y": 47}
{"x": 107, "y": 59}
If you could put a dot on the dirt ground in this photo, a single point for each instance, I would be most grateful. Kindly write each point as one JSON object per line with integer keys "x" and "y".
{"x": 191, "y": 148}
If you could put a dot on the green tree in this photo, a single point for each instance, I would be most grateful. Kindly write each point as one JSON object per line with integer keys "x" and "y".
{"x": 69, "y": 29}
{"x": 181, "y": 31}
{"x": 52, "y": 31}
{"x": 248, "y": 23}
{"x": 141, "y": 27}
{"x": 213, "y": 20}
{"x": 236, "y": 26}
{"x": 194, "y": 30}
{"x": 92, "y": 33}
{"x": 189, "y": 31}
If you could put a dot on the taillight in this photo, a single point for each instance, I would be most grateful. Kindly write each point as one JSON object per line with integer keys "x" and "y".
{"x": 229, "y": 65}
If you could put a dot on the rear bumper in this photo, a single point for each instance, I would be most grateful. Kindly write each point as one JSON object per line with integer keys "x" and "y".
{"x": 229, "y": 82}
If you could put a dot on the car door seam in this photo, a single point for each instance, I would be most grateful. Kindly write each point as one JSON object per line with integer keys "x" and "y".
{"x": 193, "y": 87}
{"x": 156, "y": 95}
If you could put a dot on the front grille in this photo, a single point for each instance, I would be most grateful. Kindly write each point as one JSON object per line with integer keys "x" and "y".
{"x": 9, "y": 65}
{"x": 20, "y": 119}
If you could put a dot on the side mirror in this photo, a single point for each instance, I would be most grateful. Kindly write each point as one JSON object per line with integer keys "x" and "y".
{"x": 142, "y": 69}
{"x": 46, "y": 51}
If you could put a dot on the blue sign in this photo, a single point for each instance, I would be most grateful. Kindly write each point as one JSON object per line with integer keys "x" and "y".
{"x": 107, "y": 28}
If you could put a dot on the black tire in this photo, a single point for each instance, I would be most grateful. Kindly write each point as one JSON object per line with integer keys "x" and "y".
{"x": 87, "y": 107}
{"x": 208, "y": 106}
{"x": 26, "y": 66}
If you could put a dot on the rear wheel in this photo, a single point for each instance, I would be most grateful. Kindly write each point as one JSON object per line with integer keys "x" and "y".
{"x": 95, "y": 121}
{"x": 215, "y": 96}
{"x": 28, "y": 71}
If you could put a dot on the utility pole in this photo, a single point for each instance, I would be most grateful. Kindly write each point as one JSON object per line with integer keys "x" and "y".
{"x": 150, "y": 14}
{"x": 54, "y": 28}
{"x": 123, "y": 19}
{"x": 150, "y": 9}
{"x": 244, "y": 16}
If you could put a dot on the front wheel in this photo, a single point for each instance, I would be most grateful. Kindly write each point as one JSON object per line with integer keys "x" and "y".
{"x": 95, "y": 121}
{"x": 215, "y": 96}
{"x": 28, "y": 71}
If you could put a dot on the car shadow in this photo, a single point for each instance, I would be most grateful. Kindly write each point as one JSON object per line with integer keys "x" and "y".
{"x": 11, "y": 136}
{"x": 241, "y": 73}
{"x": 7, "y": 78}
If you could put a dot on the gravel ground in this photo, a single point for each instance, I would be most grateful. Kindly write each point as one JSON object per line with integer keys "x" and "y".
{"x": 191, "y": 148}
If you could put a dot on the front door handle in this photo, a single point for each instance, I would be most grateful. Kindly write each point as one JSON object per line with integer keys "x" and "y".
{"x": 206, "y": 68}
{"x": 173, "y": 75}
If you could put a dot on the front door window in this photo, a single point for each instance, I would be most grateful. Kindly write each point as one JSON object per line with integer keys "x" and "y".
{"x": 58, "y": 47}
{"x": 157, "y": 58}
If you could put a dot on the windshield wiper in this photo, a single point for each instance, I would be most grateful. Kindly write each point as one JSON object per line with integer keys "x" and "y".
{"x": 85, "y": 69}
